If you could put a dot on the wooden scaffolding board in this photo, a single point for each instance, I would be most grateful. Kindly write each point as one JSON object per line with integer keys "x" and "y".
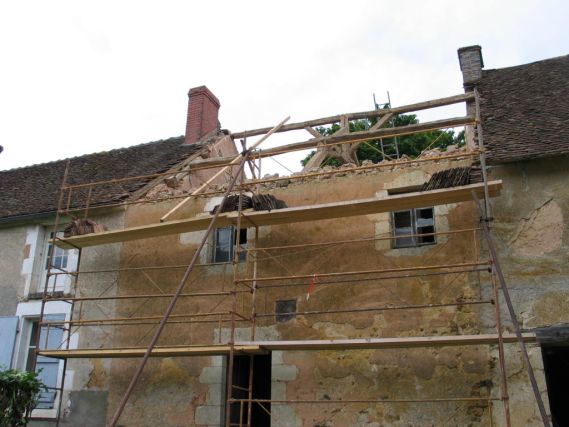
{"x": 289, "y": 215}
{"x": 175, "y": 351}
{"x": 260, "y": 347}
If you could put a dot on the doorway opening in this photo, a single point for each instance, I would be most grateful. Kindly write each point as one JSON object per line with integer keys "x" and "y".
{"x": 556, "y": 365}
{"x": 260, "y": 415}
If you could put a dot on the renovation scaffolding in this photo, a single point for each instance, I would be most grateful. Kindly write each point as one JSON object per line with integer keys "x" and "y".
{"x": 239, "y": 308}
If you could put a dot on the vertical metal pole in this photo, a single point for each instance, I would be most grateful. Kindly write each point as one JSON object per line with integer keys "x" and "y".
{"x": 49, "y": 264}
{"x": 488, "y": 212}
{"x": 174, "y": 299}
{"x": 88, "y": 202}
{"x": 250, "y": 389}
{"x": 235, "y": 260}
{"x": 254, "y": 286}
{"x": 504, "y": 379}
{"x": 67, "y": 340}
{"x": 512, "y": 312}
{"x": 59, "y": 404}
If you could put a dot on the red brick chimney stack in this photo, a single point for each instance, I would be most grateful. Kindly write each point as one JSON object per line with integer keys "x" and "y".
{"x": 203, "y": 108}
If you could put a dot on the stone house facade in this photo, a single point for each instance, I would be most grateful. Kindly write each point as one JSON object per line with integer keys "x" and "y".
{"x": 526, "y": 135}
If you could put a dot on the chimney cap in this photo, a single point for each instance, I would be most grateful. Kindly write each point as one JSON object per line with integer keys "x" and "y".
{"x": 473, "y": 48}
{"x": 203, "y": 90}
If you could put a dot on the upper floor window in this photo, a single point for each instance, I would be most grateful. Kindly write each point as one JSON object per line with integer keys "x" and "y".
{"x": 63, "y": 265}
{"x": 224, "y": 241}
{"x": 60, "y": 256}
{"x": 417, "y": 225}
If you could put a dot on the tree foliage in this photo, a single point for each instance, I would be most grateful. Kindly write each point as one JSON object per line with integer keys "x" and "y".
{"x": 409, "y": 145}
{"x": 19, "y": 394}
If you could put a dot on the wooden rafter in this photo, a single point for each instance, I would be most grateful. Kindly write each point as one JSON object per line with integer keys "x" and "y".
{"x": 440, "y": 102}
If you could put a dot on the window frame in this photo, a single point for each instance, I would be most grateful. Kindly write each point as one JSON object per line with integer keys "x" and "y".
{"x": 31, "y": 325}
{"x": 231, "y": 251}
{"x": 417, "y": 239}
{"x": 28, "y": 312}
{"x": 61, "y": 282}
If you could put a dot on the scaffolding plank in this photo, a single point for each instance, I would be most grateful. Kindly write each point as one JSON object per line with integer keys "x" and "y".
{"x": 178, "y": 351}
{"x": 387, "y": 343}
{"x": 260, "y": 347}
{"x": 289, "y": 215}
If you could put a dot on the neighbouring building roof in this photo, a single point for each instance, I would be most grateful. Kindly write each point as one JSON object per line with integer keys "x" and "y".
{"x": 34, "y": 189}
{"x": 525, "y": 110}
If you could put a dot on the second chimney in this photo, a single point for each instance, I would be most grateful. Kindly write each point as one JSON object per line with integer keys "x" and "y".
{"x": 203, "y": 108}
{"x": 471, "y": 64}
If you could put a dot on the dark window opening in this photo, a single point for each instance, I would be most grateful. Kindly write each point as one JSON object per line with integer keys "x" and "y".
{"x": 556, "y": 365}
{"x": 285, "y": 310}
{"x": 418, "y": 225}
{"x": 224, "y": 244}
{"x": 261, "y": 390}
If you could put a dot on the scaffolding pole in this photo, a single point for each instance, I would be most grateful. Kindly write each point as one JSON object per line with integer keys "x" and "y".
{"x": 179, "y": 290}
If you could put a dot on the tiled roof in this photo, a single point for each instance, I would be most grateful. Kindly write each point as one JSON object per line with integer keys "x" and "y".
{"x": 34, "y": 189}
{"x": 525, "y": 110}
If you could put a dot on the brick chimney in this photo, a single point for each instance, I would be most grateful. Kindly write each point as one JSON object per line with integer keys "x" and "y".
{"x": 203, "y": 108}
{"x": 471, "y": 64}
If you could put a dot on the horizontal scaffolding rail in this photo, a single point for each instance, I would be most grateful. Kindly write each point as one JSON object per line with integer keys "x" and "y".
{"x": 260, "y": 347}
{"x": 288, "y": 215}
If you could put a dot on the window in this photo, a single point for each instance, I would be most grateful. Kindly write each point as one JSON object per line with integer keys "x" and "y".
{"x": 285, "y": 310}
{"x": 414, "y": 223}
{"x": 63, "y": 260}
{"x": 48, "y": 368}
{"x": 60, "y": 256}
{"x": 224, "y": 244}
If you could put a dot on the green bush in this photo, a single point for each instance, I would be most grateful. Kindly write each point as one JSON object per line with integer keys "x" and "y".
{"x": 19, "y": 394}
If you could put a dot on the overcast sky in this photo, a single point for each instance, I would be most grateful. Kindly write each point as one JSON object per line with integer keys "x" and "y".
{"x": 78, "y": 77}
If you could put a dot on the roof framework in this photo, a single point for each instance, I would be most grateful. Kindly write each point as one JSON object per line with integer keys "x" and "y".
{"x": 255, "y": 285}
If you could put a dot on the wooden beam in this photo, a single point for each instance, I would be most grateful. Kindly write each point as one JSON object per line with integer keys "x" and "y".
{"x": 387, "y": 343}
{"x": 261, "y": 347}
{"x": 288, "y": 215}
{"x": 312, "y": 131}
{"x": 234, "y": 162}
{"x": 210, "y": 162}
{"x": 367, "y": 135}
{"x": 364, "y": 114}
{"x": 177, "y": 351}
{"x": 383, "y": 120}
{"x": 352, "y": 137}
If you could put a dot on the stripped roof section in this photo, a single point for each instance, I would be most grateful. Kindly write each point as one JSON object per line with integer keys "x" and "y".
{"x": 34, "y": 189}
{"x": 525, "y": 110}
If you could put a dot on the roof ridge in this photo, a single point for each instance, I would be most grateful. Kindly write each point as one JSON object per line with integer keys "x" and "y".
{"x": 52, "y": 162}
{"x": 513, "y": 67}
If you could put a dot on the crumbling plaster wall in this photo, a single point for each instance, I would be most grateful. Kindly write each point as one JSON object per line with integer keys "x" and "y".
{"x": 530, "y": 230}
{"x": 178, "y": 391}
{"x": 85, "y": 399}
{"x": 12, "y": 279}
{"x": 86, "y": 389}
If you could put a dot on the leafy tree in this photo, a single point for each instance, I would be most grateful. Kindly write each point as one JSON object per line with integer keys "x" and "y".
{"x": 409, "y": 145}
{"x": 19, "y": 394}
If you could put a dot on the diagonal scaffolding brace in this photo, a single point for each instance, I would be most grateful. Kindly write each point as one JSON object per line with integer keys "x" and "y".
{"x": 512, "y": 312}
{"x": 178, "y": 292}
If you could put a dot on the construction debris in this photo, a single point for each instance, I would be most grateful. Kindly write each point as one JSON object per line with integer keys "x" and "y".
{"x": 80, "y": 226}
{"x": 448, "y": 178}
{"x": 259, "y": 202}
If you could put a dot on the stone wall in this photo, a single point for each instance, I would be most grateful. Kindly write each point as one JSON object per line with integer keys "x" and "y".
{"x": 185, "y": 391}
{"x": 530, "y": 230}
